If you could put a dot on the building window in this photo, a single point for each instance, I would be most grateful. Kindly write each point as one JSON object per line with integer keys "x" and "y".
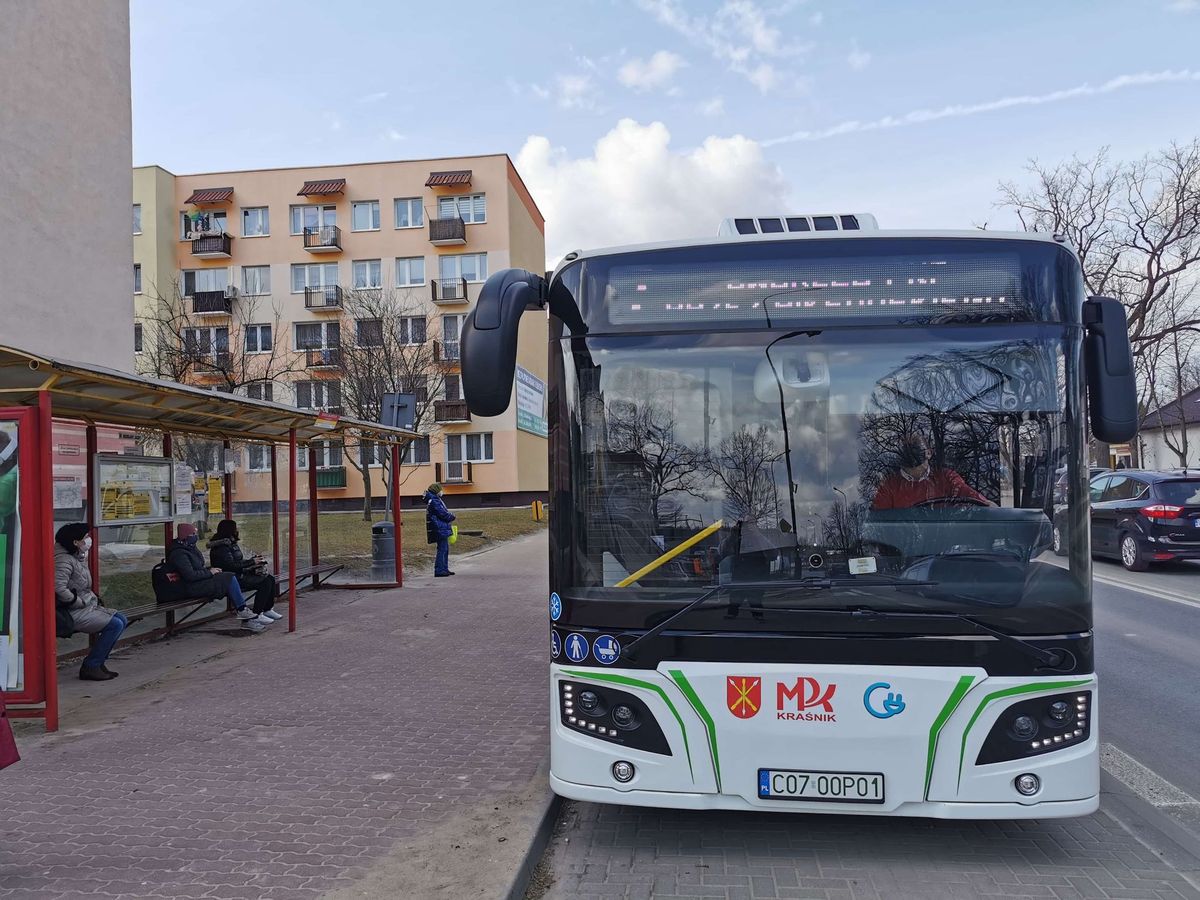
{"x": 364, "y": 215}
{"x": 451, "y": 329}
{"x": 371, "y": 453}
{"x": 409, "y": 213}
{"x": 417, "y": 385}
{"x": 312, "y": 217}
{"x": 410, "y": 271}
{"x": 137, "y": 218}
{"x": 137, "y": 278}
{"x": 258, "y": 339}
{"x": 137, "y": 338}
{"x": 466, "y": 448}
{"x": 416, "y": 453}
{"x": 196, "y": 224}
{"x": 471, "y": 208}
{"x": 313, "y": 275}
{"x": 256, "y": 221}
{"x": 256, "y": 280}
{"x": 318, "y": 335}
{"x": 318, "y": 394}
{"x": 261, "y": 390}
{"x": 368, "y": 332}
{"x": 412, "y": 330}
{"x": 195, "y": 280}
{"x": 452, "y": 387}
{"x": 328, "y": 454}
{"x": 368, "y": 274}
{"x": 205, "y": 341}
{"x": 258, "y": 458}
{"x": 471, "y": 266}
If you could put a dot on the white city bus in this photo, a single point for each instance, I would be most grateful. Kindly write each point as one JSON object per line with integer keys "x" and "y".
{"x": 802, "y": 493}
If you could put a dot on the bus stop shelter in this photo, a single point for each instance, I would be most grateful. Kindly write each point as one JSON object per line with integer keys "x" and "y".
{"x": 36, "y": 391}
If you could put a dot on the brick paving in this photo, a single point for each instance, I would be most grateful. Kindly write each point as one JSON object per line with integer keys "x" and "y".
{"x": 614, "y": 852}
{"x": 285, "y": 766}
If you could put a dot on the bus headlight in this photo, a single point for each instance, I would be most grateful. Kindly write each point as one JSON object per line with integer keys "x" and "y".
{"x": 623, "y": 771}
{"x": 1037, "y": 726}
{"x": 1028, "y": 784}
{"x": 600, "y": 712}
{"x": 624, "y": 717}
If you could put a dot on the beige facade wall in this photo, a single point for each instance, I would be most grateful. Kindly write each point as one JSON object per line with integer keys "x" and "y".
{"x": 65, "y": 144}
{"x": 154, "y": 246}
{"x": 511, "y": 235}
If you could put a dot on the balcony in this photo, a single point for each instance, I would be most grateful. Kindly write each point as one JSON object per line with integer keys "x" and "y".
{"x": 453, "y": 473}
{"x": 326, "y": 297}
{"x": 323, "y": 357}
{"x": 446, "y": 353}
{"x": 444, "y": 232}
{"x": 333, "y": 477}
{"x": 211, "y": 363}
{"x": 326, "y": 239}
{"x": 446, "y": 412}
{"x": 449, "y": 290}
{"x": 213, "y": 303}
{"x": 212, "y": 246}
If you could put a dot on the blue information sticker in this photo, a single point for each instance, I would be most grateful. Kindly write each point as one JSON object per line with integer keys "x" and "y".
{"x": 606, "y": 649}
{"x": 555, "y": 607}
{"x": 555, "y": 645}
{"x": 577, "y": 647}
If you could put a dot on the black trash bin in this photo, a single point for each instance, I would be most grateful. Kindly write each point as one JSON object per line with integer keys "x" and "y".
{"x": 383, "y": 551}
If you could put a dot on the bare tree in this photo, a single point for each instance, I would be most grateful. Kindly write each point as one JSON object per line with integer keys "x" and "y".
{"x": 1172, "y": 375}
{"x": 742, "y": 465}
{"x": 646, "y": 431}
{"x": 385, "y": 349}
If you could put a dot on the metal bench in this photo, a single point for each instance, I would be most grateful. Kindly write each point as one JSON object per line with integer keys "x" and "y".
{"x": 317, "y": 573}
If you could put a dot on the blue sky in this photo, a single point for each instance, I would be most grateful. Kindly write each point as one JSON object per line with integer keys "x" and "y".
{"x": 650, "y": 119}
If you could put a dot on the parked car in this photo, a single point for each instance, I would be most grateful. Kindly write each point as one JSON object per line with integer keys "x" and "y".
{"x": 1142, "y": 517}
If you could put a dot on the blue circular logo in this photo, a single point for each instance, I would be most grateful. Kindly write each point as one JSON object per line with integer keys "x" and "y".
{"x": 577, "y": 647}
{"x": 555, "y": 607}
{"x": 890, "y": 705}
{"x": 555, "y": 645}
{"x": 606, "y": 649}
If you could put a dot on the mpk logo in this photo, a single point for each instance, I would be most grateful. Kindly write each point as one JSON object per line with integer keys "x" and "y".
{"x": 743, "y": 695}
{"x": 806, "y": 694}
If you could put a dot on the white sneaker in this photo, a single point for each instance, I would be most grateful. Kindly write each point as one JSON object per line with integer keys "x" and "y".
{"x": 264, "y": 618}
{"x": 253, "y": 625}
{"x": 246, "y": 614}
{"x": 272, "y": 615}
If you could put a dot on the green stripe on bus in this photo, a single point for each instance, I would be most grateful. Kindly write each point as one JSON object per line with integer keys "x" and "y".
{"x": 709, "y": 725}
{"x": 634, "y": 682}
{"x": 1010, "y": 692}
{"x": 960, "y": 691}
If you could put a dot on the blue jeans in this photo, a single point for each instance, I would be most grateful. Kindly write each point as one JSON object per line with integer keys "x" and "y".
{"x": 105, "y": 641}
{"x": 441, "y": 562}
{"x": 235, "y": 594}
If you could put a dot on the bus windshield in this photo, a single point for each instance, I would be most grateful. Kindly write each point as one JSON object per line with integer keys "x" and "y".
{"x": 889, "y": 469}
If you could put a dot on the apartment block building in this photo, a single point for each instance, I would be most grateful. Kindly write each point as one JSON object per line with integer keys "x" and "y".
{"x": 258, "y": 281}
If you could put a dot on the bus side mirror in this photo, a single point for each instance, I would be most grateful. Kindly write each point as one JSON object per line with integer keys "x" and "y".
{"x": 1108, "y": 362}
{"x": 489, "y": 338}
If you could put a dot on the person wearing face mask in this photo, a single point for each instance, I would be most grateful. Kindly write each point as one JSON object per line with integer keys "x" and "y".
{"x": 73, "y": 592}
{"x": 200, "y": 580}
{"x": 916, "y": 480}
{"x": 225, "y": 553}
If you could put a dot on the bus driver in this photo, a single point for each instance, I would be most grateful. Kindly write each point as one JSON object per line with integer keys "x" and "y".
{"x": 917, "y": 481}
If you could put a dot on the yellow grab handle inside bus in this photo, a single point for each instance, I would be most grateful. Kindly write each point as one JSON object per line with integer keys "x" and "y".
{"x": 671, "y": 554}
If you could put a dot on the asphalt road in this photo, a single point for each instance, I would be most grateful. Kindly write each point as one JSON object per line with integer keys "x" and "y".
{"x": 1148, "y": 658}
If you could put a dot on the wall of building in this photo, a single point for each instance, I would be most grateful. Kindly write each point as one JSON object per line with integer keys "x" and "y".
{"x": 65, "y": 184}
{"x": 1157, "y": 455}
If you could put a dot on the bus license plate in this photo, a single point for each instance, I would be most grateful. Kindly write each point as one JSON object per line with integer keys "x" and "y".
{"x": 828, "y": 787}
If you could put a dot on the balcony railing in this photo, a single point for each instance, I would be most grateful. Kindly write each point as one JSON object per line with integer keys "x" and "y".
{"x": 453, "y": 473}
{"x": 328, "y": 296}
{"x": 213, "y": 303}
{"x": 212, "y": 246}
{"x": 212, "y": 362}
{"x": 323, "y": 357}
{"x": 326, "y": 239}
{"x": 445, "y": 352}
{"x": 447, "y": 231}
{"x": 332, "y": 477}
{"x": 449, "y": 290}
{"x": 445, "y": 411}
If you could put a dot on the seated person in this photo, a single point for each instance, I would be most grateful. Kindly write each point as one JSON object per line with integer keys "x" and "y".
{"x": 198, "y": 580}
{"x": 225, "y": 554}
{"x": 73, "y": 592}
{"x": 916, "y": 480}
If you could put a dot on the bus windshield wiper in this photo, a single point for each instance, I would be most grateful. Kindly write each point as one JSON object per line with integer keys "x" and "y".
{"x": 627, "y": 651}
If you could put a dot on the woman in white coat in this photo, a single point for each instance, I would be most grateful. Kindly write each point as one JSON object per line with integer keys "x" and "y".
{"x": 73, "y": 592}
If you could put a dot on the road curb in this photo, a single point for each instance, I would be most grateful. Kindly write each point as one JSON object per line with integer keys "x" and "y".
{"x": 537, "y": 847}
{"x": 1165, "y": 837}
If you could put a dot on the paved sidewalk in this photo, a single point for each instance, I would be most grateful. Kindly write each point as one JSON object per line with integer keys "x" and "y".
{"x": 610, "y": 852}
{"x": 391, "y": 747}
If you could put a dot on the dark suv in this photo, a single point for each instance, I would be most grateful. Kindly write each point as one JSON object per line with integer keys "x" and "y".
{"x": 1141, "y": 517}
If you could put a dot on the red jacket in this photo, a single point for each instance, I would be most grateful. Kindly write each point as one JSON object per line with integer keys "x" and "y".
{"x": 898, "y": 492}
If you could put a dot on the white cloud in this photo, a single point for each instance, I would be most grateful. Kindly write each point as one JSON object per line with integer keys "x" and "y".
{"x": 740, "y": 35}
{"x": 1183, "y": 6}
{"x": 393, "y": 135}
{"x": 858, "y": 59}
{"x": 961, "y": 110}
{"x": 634, "y": 187}
{"x": 373, "y": 98}
{"x": 575, "y": 92}
{"x": 651, "y": 74}
{"x": 714, "y": 106}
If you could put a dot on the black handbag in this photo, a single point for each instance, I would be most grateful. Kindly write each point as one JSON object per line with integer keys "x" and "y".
{"x": 64, "y": 624}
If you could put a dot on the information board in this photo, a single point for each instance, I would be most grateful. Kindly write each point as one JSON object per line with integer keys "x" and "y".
{"x": 134, "y": 489}
{"x": 531, "y": 403}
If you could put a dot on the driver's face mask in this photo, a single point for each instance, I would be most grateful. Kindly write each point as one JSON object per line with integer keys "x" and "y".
{"x": 914, "y": 462}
